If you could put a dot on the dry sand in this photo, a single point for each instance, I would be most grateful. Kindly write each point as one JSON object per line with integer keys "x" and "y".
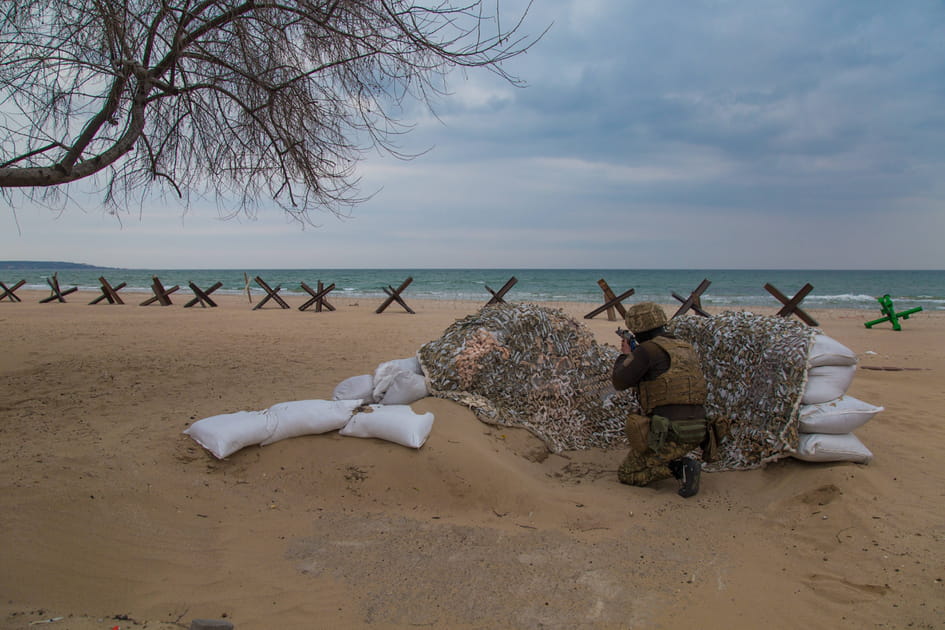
{"x": 111, "y": 517}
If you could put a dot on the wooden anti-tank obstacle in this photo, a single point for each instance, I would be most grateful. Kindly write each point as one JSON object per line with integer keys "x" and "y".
{"x": 611, "y": 302}
{"x": 319, "y": 297}
{"x": 792, "y": 306}
{"x": 161, "y": 295}
{"x": 57, "y": 293}
{"x": 202, "y": 297}
{"x": 109, "y": 292}
{"x": 393, "y": 295}
{"x": 498, "y": 297}
{"x": 271, "y": 294}
{"x": 694, "y": 301}
{"x": 10, "y": 292}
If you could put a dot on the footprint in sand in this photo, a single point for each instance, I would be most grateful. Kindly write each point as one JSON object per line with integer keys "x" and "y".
{"x": 820, "y": 496}
{"x": 843, "y": 591}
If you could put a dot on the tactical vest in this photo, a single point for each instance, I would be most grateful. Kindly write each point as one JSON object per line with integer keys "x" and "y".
{"x": 681, "y": 384}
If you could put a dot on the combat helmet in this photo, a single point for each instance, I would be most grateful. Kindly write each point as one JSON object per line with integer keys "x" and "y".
{"x": 645, "y": 316}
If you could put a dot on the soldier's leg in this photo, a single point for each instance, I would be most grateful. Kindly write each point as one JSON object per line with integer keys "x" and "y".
{"x": 635, "y": 469}
{"x": 640, "y": 469}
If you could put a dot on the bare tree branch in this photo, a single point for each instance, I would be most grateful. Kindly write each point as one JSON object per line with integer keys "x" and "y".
{"x": 243, "y": 99}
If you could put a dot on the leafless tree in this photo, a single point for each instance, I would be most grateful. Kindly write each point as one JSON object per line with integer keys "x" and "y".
{"x": 243, "y": 99}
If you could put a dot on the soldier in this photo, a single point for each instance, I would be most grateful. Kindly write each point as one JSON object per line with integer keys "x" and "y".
{"x": 672, "y": 392}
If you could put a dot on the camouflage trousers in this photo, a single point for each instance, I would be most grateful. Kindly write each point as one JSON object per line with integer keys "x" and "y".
{"x": 642, "y": 468}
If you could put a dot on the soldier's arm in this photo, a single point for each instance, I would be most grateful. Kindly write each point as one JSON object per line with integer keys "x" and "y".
{"x": 629, "y": 369}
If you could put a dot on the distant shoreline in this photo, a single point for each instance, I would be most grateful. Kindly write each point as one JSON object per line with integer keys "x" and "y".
{"x": 40, "y": 264}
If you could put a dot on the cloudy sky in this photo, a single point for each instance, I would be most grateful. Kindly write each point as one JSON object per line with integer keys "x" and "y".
{"x": 691, "y": 134}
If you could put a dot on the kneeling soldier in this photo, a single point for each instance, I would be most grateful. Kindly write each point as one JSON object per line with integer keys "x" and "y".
{"x": 672, "y": 393}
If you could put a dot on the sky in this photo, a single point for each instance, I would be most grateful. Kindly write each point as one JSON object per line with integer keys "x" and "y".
{"x": 714, "y": 134}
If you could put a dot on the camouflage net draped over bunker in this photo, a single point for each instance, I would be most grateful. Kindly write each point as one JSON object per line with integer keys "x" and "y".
{"x": 534, "y": 367}
{"x": 756, "y": 370}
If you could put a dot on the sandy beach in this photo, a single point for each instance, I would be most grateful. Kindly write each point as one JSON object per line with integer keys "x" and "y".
{"x": 111, "y": 517}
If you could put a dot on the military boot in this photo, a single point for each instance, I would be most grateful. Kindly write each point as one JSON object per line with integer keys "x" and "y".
{"x": 687, "y": 471}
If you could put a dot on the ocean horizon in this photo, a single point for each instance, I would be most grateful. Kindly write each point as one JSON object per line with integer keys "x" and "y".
{"x": 832, "y": 289}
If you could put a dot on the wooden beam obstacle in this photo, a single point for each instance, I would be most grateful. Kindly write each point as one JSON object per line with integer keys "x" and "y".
{"x": 57, "y": 293}
{"x": 271, "y": 294}
{"x": 109, "y": 292}
{"x": 694, "y": 301}
{"x": 609, "y": 297}
{"x": 793, "y": 306}
{"x": 890, "y": 315}
{"x": 9, "y": 293}
{"x": 249, "y": 294}
{"x": 161, "y": 295}
{"x": 319, "y": 297}
{"x": 498, "y": 297}
{"x": 201, "y": 296}
{"x": 611, "y": 302}
{"x": 393, "y": 295}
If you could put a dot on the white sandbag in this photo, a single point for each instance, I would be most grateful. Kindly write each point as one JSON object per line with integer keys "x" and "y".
{"x": 309, "y": 417}
{"x": 410, "y": 364}
{"x": 227, "y": 433}
{"x": 823, "y": 447}
{"x": 355, "y": 388}
{"x": 385, "y": 372}
{"x": 828, "y": 351}
{"x": 394, "y": 423}
{"x": 405, "y": 388}
{"x": 843, "y": 415}
{"x": 827, "y": 382}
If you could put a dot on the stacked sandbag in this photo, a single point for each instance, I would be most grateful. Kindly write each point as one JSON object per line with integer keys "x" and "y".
{"x": 395, "y": 423}
{"x": 227, "y": 433}
{"x": 828, "y": 416}
{"x": 397, "y": 382}
{"x": 370, "y": 405}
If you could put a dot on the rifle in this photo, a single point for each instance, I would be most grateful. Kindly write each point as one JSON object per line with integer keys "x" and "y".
{"x": 623, "y": 333}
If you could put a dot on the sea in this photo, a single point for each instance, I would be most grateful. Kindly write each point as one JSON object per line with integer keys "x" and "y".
{"x": 832, "y": 289}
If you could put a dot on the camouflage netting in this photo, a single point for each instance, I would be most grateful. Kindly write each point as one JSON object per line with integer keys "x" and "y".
{"x": 756, "y": 370}
{"x": 535, "y": 367}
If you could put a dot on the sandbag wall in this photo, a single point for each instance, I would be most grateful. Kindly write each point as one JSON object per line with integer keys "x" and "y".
{"x": 369, "y": 406}
{"x": 828, "y": 416}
